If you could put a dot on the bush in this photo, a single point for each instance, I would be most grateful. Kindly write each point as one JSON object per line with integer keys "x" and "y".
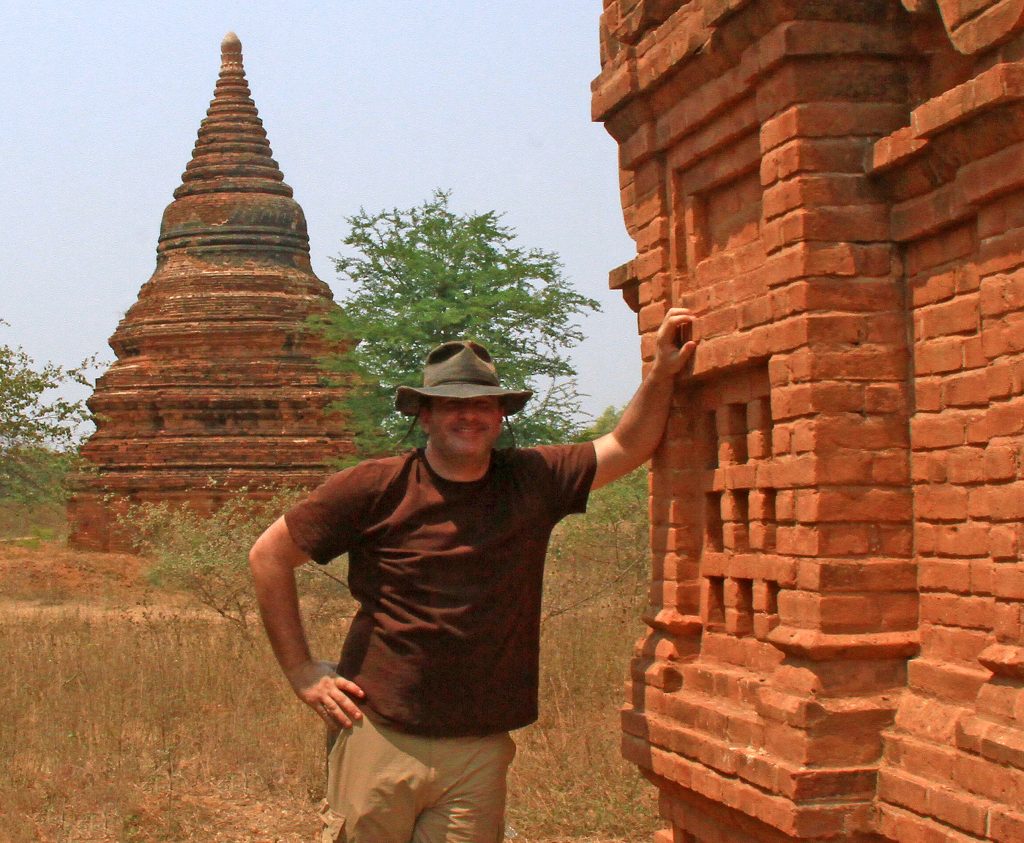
{"x": 601, "y": 558}
{"x": 206, "y": 556}
{"x": 33, "y": 511}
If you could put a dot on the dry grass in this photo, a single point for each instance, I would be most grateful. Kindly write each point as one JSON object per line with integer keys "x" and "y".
{"x": 145, "y": 730}
{"x": 129, "y": 716}
{"x": 170, "y": 728}
{"x": 568, "y": 778}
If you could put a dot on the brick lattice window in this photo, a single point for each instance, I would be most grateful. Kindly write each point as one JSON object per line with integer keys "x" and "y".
{"x": 739, "y": 504}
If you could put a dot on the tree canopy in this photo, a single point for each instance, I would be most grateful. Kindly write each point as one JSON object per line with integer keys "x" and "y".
{"x": 604, "y": 423}
{"x": 38, "y": 433}
{"x": 425, "y": 275}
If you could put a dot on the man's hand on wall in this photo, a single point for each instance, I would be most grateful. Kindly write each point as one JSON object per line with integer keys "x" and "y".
{"x": 674, "y": 345}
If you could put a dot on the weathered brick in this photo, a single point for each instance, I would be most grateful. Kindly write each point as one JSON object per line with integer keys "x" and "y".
{"x": 954, "y": 682}
{"x": 1001, "y": 294}
{"x": 1005, "y": 418}
{"x": 940, "y": 250}
{"x": 941, "y": 503}
{"x": 1005, "y": 824}
{"x": 957, "y": 610}
{"x": 1003, "y": 542}
{"x": 947, "y": 644}
{"x": 933, "y": 288}
{"x": 812, "y": 156}
{"x": 939, "y": 356}
{"x": 970, "y": 389}
{"x": 965, "y": 465}
{"x": 817, "y": 190}
{"x": 947, "y": 318}
{"x": 650, "y": 317}
{"x": 938, "y": 430}
{"x": 830, "y": 119}
{"x": 879, "y": 289}
{"x": 968, "y": 539}
{"x": 1005, "y": 336}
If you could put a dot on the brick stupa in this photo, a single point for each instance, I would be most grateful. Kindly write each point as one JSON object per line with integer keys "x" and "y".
{"x": 835, "y": 643}
{"x": 216, "y": 386}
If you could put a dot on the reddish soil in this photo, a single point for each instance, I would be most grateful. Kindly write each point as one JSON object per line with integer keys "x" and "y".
{"x": 42, "y": 571}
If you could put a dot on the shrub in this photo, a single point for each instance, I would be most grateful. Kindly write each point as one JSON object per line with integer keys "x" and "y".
{"x": 602, "y": 557}
{"x": 206, "y": 556}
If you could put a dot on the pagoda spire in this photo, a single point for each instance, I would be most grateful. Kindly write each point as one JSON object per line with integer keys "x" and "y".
{"x": 233, "y": 196}
{"x": 232, "y": 151}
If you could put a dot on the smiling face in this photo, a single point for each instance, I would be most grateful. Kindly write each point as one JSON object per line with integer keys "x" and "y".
{"x": 461, "y": 431}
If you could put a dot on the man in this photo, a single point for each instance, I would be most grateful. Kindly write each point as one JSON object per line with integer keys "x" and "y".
{"x": 446, "y": 549}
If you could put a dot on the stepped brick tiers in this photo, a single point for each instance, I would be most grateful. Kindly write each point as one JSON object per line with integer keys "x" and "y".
{"x": 836, "y": 631}
{"x": 217, "y": 385}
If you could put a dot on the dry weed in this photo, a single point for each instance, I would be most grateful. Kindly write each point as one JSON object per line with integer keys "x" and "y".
{"x": 171, "y": 727}
{"x": 162, "y": 722}
{"x": 126, "y": 730}
{"x": 568, "y": 777}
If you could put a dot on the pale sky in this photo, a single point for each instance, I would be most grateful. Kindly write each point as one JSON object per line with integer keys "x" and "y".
{"x": 368, "y": 104}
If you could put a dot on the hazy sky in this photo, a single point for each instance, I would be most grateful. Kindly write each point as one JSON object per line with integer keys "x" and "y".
{"x": 367, "y": 104}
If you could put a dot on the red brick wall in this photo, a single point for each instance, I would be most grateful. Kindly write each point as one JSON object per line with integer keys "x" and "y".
{"x": 954, "y": 762}
{"x": 834, "y": 646}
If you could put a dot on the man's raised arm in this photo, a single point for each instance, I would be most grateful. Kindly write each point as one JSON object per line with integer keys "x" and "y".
{"x": 642, "y": 425}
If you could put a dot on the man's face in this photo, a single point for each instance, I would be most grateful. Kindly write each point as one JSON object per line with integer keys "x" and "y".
{"x": 462, "y": 427}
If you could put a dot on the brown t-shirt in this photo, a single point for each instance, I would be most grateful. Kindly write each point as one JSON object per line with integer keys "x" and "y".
{"x": 448, "y": 577}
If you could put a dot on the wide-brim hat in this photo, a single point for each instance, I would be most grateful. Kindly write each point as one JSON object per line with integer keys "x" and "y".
{"x": 459, "y": 369}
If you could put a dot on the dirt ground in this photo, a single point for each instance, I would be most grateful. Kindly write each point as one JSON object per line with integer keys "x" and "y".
{"x": 38, "y": 572}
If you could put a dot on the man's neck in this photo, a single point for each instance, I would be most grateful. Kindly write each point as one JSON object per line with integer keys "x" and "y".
{"x": 460, "y": 470}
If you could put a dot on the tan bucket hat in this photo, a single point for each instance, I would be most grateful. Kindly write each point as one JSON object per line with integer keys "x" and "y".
{"x": 459, "y": 369}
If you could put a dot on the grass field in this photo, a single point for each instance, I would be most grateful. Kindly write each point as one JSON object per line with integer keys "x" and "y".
{"x": 133, "y": 714}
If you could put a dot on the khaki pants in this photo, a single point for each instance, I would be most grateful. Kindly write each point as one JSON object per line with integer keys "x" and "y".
{"x": 385, "y": 786}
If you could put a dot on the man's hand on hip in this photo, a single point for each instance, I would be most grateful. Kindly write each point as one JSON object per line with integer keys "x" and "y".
{"x": 318, "y": 685}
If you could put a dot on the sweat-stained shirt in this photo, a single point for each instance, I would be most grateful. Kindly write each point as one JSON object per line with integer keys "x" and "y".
{"x": 448, "y": 577}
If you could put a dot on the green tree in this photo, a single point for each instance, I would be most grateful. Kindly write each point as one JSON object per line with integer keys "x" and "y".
{"x": 604, "y": 423}
{"x": 425, "y": 275}
{"x": 39, "y": 432}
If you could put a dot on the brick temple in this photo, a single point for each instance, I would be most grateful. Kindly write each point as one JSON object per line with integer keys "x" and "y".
{"x": 216, "y": 387}
{"x": 835, "y": 647}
